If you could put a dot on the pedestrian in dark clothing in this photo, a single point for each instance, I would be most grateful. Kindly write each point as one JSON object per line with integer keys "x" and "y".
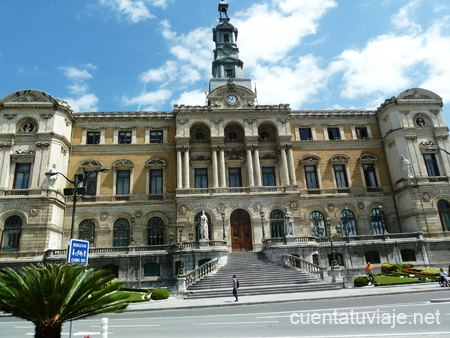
{"x": 235, "y": 287}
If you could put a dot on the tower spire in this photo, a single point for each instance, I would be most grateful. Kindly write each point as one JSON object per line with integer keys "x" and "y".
{"x": 226, "y": 65}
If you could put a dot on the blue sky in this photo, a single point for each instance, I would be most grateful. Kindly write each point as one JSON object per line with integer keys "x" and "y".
{"x": 129, "y": 55}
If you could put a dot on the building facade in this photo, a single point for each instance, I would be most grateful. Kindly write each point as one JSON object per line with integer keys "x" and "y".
{"x": 376, "y": 180}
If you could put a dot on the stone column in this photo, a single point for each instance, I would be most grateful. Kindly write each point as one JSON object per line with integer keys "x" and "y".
{"x": 250, "y": 166}
{"x": 257, "y": 168}
{"x": 284, "y": 164}
{"x": 179, "y": 168}
{"x": 223, "y": 177}
{"x": 186, "y": 167}
{"x": 291, "y": 165}
{"x": 5, "y": 164}
{"x": 214, "y": 167}
{"x": 441, "y": 140}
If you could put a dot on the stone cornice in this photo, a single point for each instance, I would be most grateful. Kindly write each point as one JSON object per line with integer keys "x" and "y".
{"x": 121, "y": 116}
{"x": 326, "y": 114}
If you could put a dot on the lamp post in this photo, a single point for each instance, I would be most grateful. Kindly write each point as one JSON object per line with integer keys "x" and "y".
{"x": 438, "y": 148}
{"x": 334, "y": 262}
{"x": 261, "y": 213}
{"x": 75, "y": 191}
{"x": 223, "y": 224}
{"x": 181, "y": 270}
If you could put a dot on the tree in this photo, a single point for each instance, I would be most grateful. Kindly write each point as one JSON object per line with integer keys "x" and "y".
{"x": 49, "y": 295}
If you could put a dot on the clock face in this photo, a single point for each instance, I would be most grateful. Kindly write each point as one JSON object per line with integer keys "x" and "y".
{"x": 232, "y": 99}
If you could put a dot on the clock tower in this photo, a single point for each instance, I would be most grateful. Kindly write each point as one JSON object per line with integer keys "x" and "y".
{"x": 226, "y": 64}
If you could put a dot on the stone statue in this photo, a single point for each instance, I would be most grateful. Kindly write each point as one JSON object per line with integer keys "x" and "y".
{"x": 406, "y": 167}
{"x": 28, "y": 128}
{"x": 289, "y": 223}
{"x": 51, "y": 180}
{"x": 204, "y": 226}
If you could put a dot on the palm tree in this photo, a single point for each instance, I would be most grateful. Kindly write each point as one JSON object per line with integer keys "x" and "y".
{"x": 49, "y": 295}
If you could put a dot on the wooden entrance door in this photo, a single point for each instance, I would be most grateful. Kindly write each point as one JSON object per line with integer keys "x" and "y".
{"x": 241, "y": 231}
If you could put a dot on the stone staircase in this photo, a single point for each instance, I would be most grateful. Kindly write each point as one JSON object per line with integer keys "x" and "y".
{"x": 256, "y": 275}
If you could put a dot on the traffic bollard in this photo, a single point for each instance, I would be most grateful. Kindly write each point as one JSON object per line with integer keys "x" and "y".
{"x": 104, "y": 328}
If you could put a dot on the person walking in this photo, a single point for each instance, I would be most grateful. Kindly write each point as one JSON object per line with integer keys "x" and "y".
{"x": 235, "y": 287}
{"x": 369, "y": 272}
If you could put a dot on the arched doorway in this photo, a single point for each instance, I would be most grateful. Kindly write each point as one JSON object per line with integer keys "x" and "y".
{"x": 241, "y": 231}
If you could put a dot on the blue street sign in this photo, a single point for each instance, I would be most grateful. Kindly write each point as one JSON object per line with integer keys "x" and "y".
{"x": 77, "y": 251}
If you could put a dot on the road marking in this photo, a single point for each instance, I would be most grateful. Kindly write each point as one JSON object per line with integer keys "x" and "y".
{"x": 131, "y": 325}
{"x": 235, "y": 323}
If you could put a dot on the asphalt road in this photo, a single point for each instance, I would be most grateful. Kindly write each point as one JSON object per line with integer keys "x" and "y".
{"x": 407, "y": 315}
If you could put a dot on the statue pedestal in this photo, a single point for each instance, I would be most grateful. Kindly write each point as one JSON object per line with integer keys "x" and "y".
{"x": 181, "y": 284}
{"x": 203, "y": 243}
{"x": 335, "y": 274}
{"x": 290, "y": 239}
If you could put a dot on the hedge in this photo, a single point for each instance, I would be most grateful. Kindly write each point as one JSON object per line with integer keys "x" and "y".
{"x": 361, "y": 281}
{"x": 159, "y": 294}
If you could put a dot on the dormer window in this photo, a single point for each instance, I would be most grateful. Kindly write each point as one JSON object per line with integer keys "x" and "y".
{"x": 229, "y": 72}
{"x": 226, "y": 38}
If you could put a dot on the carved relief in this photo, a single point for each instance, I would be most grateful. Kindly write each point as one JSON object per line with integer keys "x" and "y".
{"x": 10, "y": 116}
{"x": 33, "y": 212}
{"x": 156, "y": 162}
{"x": 42, "y": 145}
{"x": 293, "y": 205}
{"x": 426, "y": 197}
{"x": 46, "y": 116}
{"x": 416, "y": 96}
{"x": 426, "y": 143}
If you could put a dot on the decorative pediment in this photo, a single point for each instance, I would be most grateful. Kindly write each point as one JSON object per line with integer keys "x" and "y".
{"x": 123, "y": 163}
{"x": 29, "y": 96}
{"x": 156, "y": 162}
{"x": 418, "y": 94}
{"x": 94, "y": 164}
{"x": 368, "y": 157}
{"x": 340, "y": 158}
{"x": 310, "y": 159}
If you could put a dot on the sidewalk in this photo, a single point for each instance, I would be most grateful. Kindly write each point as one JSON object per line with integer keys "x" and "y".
{"x": 173, "y": 303}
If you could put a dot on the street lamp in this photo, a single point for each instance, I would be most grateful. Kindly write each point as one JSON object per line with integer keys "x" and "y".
{"x": 75, "y": 191}
{"x": 334, "y": 262}
{"x": 261, "y": 213}
{"x": 181, "y": 270}
{"x": 223, "y": 224}
{"x": 438, "y": 148}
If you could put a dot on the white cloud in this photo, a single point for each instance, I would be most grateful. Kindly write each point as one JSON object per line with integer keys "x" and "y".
{"x": 87, "y": 102}
{"x": 191, "y": 98}
{"x": 78, "y": 89}
{"x": 149, "y": 98}
{"x": 403, "y": 19}
{"x": 133, "y": 10}
{"x": 168, "y": 72}
{"x": 75, "y": 73}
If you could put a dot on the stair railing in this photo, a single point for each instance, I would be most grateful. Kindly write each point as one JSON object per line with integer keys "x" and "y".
{"x": 297, "y": 262}
{"x": 201, "y": 272}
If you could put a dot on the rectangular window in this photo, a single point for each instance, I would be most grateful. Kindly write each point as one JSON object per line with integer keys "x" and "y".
{"x": 152, "y": 269}
{"x": 341, "y": 176}
{"x": 229, "y": 72}
{"x": 305, "y": 134}
{"x": 361, "y": 133}
{"x": 226, "y": 38}
{"x": 123, "y": 182}
{"x": 156, "y": 136}
{"x": 268, "y": 174}
{"x": 311, "y": 177}
{"x": 334, "y": 134}
{"x": 201, "y": 178}
{"x": 156, "y": 181}
{"x": 22, "y": 176}
{"x": 370, "y": 175}
{"x": 431, "y": 164}
{"x": 91, "y": 184}
{"x": 93, "y": 137}
{"x": 235, "y": 178}
{"x": 124, "y": 137}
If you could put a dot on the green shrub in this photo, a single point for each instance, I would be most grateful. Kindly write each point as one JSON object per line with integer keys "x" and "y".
{"x": 160, "y": 294}
{"x": 361, "y": 281}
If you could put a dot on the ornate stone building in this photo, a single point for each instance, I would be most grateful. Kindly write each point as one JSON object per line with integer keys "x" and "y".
{"x": 378, "y": 180}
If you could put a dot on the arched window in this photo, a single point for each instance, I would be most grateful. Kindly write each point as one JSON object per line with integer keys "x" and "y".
{"x": 197, "y": 226}
{"x": 315, "y": 259}
{"x": 444, "y": 214}
{"x": 121, "y": 232}
{"x": 378, "y": 221}
{"x": 155, "y": 231}
{"x": 317, "y": 224}
{"x": 86, "y": 231}
{"x": 11, "y": 234}
{"x": 408, "y": 255}
{"x": 277, "y": 223}
{"x": 348, "y": 223}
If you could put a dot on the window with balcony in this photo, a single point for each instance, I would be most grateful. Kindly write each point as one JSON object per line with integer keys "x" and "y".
{"x": 378, "y": 221}
{"x": 312, "y": 181}
{"x": 125, "y": 137}
{"x": 361, "y": 133}
{"x": 340, "y": 175}
{"x": 12, "y": 230}
{"x": 155, "y": 231}
{"x": 201, "y": 178}
{"x": 348, "y": 223}
{"x": 121, "y": 232}
{"x": 156, "y": 136}
{"x": 444, "y": 214}
{"x": 277, "y": 223}
{"x": 156, "y": 181}
{"x": 123, "y": 182}
{"x": 93, "y": 137}
{"x": 86, "y": 231}
{"x": 305, "y": 134}
{"x": 268, "y": 176}
{"x": 317, "y": 224}
{"x": 334, "y": 134}
{"x": 235, "y": 178}
{"x": 431, "y": 164}
{"x": 91, "y": 183}
{"x": 22, "y": 176}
